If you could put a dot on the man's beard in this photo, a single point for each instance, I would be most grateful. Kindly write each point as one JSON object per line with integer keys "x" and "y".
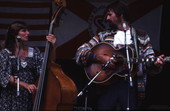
{"x": 112, "y": 26}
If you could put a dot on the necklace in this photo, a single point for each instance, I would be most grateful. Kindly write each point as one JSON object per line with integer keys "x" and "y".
{"x": 23, "y": 62}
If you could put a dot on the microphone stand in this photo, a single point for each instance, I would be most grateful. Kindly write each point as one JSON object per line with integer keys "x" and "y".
{"x": 88, "y": 84}
{"x": 18, "y": 66}
{"x": 128, "y": 61}
{"x": 16, "y": 77}
{"x": 129, "y": 67}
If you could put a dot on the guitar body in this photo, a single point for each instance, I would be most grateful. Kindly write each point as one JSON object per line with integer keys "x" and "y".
{"x": 108, "y": 74}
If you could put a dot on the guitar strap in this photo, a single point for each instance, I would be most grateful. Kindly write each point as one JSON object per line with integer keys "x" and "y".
{"x": 141, "y": 77}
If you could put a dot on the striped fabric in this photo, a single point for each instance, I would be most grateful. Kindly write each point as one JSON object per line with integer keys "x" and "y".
{"x": 36, "y": 13}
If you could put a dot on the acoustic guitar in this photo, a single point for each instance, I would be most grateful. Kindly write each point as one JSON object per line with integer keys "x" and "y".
{"x": 120, "y": 69}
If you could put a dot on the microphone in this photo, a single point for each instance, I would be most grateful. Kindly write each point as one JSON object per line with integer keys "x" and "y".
{"x": 124, "y": 26}
{"x": 18, "y": 38}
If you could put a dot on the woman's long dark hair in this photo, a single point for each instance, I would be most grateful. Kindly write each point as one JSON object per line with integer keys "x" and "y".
{"x": 12, "y": 32}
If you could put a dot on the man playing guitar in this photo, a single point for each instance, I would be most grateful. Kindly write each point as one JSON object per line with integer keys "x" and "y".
{"x": 109, "y": 46}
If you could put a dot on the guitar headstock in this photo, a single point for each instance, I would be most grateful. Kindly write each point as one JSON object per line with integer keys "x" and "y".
{"x": 167, "y": 59}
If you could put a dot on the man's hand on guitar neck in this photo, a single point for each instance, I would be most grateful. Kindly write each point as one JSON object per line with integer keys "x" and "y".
{"x": 160, "y": 61}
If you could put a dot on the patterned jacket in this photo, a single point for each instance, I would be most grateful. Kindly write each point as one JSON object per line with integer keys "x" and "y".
{"x": 144, "y": 47}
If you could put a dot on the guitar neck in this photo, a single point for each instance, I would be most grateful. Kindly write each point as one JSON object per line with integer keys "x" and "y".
{"x": 145, "y": 60}
{"x": 142, "y": 60}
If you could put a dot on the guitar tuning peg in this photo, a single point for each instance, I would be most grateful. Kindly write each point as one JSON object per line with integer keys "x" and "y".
{"x": 113, "y": 55}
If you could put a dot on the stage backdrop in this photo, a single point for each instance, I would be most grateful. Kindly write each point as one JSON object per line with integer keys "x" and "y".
{"x": 80, "y": 21}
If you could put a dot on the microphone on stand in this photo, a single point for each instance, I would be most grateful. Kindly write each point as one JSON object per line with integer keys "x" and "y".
{"x": 124, "y": 24}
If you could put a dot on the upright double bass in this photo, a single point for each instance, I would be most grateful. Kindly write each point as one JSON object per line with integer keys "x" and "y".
{"x": 55, "y": 89}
